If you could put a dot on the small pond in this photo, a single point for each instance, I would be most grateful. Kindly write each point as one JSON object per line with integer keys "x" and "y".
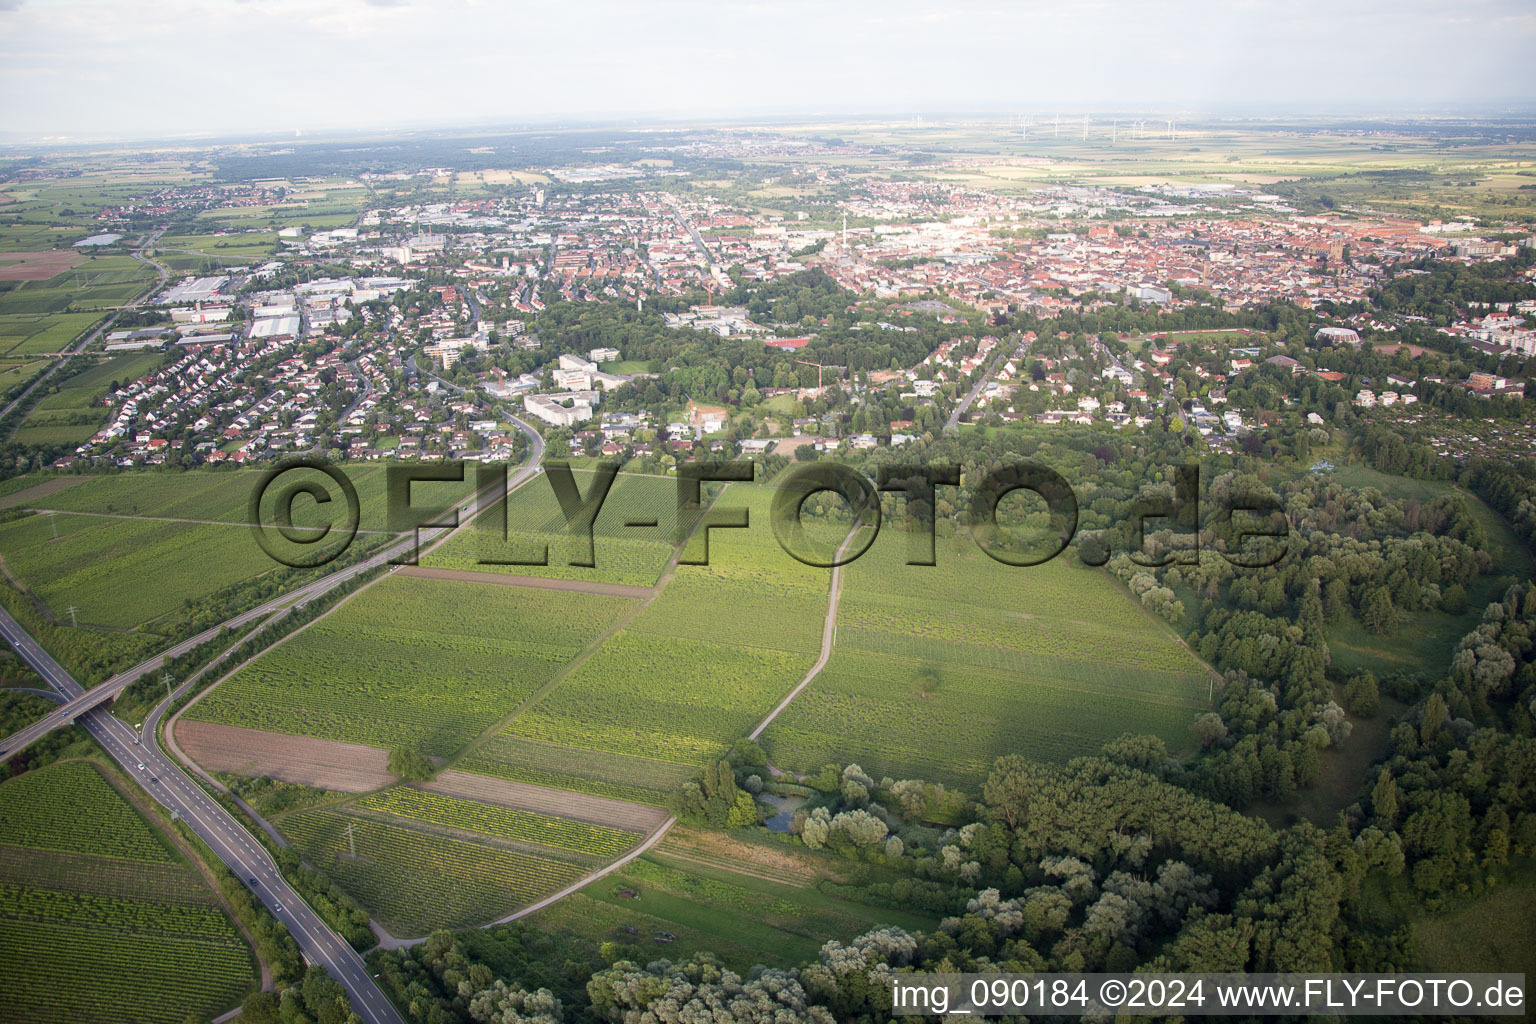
{"x": 787, "y": 806}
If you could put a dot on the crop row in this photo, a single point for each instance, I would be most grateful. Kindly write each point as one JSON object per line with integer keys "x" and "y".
{"x": 413, "y": 661}
{"x": 118, "y": 913}
{"x": 417, "y": 881}
{"x": 573, "y": 782}
{"x": 123, "y": 573}
{"x": 503, "y": 822}
{"x": 70, "y": 808}
{"x": 165, "y": 882}
{"x": 599, "y": 772}
{"x": 627, "y": 561}
{"x": 670, "y": 699}
{"x": 57, "y": 973}
{"x": 947, "y": 722}
{"x": 203, "y": 494}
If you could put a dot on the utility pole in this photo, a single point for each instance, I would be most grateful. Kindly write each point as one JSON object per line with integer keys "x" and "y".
{"x": 53, "y": 520}
{"x": 165, "y": 677}
{"x": 72, "y": 620}
{"x": 351, "y": 841}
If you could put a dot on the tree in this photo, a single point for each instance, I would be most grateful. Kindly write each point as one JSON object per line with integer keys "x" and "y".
{"x": 411, "y": 764}
{"x": 1210, "y": 728}
{"x": 1378, "y": 613}
{"x": 1384, "y": 798}
{"x": 1362, "y": 696}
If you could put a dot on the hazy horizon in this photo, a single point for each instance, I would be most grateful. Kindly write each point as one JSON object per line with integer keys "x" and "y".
{"x": 88, "y": 69}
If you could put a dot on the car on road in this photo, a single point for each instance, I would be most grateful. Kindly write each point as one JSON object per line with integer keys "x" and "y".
{"x": 153, "y": 779}
{"x": 277, "y": 908}
{"x": 141, "y": 766}
{"x": 135, "y": 741}
{"x": 251, "y": 880}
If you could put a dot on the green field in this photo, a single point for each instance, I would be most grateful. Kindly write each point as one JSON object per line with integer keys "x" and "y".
{"x": 126, "y": 574}
{"x": 16, "y": 372}
{"x": 413, "y": 661}
{"x": 704, "y": 662}
{"x": 224, "y": 495}
{"x": 625, "y": 555}
{"x": 99, "y": 920}
{"x": 526, "y": 827}
{"x": 32, "y": 333}
{"x": 415, "y": 876}
{"x": 642, "y": 780}
{"x": 71, "y": 410}
{"x": 938, "y": 670}
{"x": 206, "y": 252}
{"x": 1425, "y": 640}
{"x": 747, "y": 913}
{"x": 100, "y": 282}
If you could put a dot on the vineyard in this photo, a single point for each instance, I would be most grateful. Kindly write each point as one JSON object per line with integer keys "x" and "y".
{"x": 70, "y": 808}
{"x": 414, "y": 880}
{"x": 683, "y": 679}
{"x": 502, "y": 822}
{"x": 413, "y": 661}
{"x": 947, "y": 667}
{"x": 220, "y": 495}
{"x": 676, "y": 700}
{"x": 124, "y": 573}
{"x": 598, "y": 772}
{"x": 745, "y": 918}
{"x": 776, "y": 602}
{"x": 633, "y": 556}
{"x": 98, "y": 921}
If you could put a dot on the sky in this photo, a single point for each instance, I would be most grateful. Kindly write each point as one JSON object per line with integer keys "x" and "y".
{"x": 167, "y": 68}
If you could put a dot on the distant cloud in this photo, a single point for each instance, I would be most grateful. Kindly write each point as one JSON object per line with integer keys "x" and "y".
{"x": 466, "y": 59}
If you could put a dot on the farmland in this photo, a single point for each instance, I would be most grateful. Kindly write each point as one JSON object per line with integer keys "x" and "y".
{"x": 681, "y": 681}
{"x": 71, "y": 410}
{"x": 126, "y": 573}
{"x": 216, "y": 495}
{"x": 415, "y": 877}
{"x": 206, "y": 252}
{"x": 131, "y": 932}
{"x": 503, "y": 822}
{"x": 99, "y": 283}
{"x": 598, "y": 772}
{"x": 633, "y": 556}
{"x": 735, "y": 898}
{"x": 673, "y": 700}
{"x": 945, "y": 668}
{"x": 413, "y": 661}
{"x": 33, "y": 333}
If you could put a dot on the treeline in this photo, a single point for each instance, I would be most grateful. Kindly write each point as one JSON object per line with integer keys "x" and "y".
{"x": 1353, "y": 555}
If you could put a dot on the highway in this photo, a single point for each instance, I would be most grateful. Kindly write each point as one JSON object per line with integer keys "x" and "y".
{"x": 142, "y": 759}
{"x": 169, "y": 786}
{"x": 87, "y": 699}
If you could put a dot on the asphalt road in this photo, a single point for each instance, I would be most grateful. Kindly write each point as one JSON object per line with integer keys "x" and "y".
{"x": 86, "y": 699}
{"x": 167, "y": 785}
{"x": 142, "y": 759}
{"x": 981, "y": 382}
